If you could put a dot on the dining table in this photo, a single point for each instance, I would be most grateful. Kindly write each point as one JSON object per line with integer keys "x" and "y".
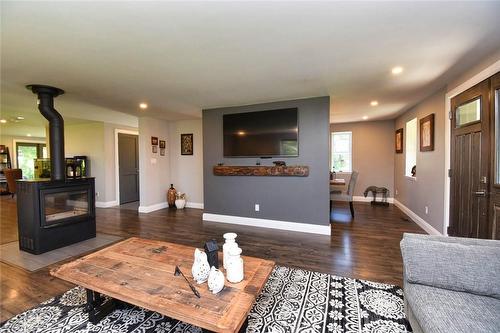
{"x": 337, "y": 182}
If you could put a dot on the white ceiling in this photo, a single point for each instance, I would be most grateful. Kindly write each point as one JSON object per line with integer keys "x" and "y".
{"x": 184, "y": 56}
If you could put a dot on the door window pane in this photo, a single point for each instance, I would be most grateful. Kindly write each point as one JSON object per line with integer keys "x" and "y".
{"x": 26, "y": 156}
{"x": 468, "y": 112}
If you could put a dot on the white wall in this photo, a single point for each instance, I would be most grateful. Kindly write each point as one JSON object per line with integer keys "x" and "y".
{"x": 154, "y": 170}
{"x": 187, "y": 170}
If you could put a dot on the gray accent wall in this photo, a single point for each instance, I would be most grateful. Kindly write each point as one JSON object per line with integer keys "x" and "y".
{"x": 291, "y": 199}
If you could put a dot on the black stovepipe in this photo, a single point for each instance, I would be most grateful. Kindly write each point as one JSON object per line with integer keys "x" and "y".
{"x": 46, "y": 96}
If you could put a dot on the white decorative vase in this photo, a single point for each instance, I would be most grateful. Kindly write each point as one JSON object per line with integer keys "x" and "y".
{"x": 234, "y": 270}
{"x": 215, "y": 280}
{"x": 180, "y": 203}
{"x": 230, "y": 242}
{"x": 201, "y": 268}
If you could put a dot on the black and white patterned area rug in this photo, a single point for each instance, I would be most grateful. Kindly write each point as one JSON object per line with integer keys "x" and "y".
{"x": 293, "y": 300}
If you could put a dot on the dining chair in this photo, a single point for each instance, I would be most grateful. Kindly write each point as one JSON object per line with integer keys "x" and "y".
{"x": 346, "y": 196}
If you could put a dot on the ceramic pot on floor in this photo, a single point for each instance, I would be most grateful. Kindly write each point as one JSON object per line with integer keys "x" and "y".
{"x": 171, "y": 195}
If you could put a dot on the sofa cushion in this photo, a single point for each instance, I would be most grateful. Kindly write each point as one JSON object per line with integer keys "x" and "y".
{"x": 440, "y": 310}
{"x": 452, "y": 263}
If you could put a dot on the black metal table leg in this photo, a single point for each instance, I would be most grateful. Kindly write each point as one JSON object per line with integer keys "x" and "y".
{"x": 96, "y": 307}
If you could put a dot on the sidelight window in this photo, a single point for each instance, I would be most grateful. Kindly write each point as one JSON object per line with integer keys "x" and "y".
{"x": 411, "y": 146}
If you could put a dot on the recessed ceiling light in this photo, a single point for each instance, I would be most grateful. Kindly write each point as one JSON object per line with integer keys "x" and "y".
{"x": 365, "y": 117}
{"x": 241, "y": 133}
{"x": 143, "y": 106}
{"x": 28, "y": 134}
{"x": 20, "y": 118}
{"x": 374, "y": 103}
{"x": 3, "y": 121}
{"x": 397, "y": 70}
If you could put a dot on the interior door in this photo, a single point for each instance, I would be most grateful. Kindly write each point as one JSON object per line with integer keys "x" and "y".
{"x": 494, "y": 230}
{"x": 128, "y": 166}
{"x": 470, "y": 162}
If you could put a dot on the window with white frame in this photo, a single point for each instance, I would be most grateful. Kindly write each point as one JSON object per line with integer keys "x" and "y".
{"x": 342, "y": 151}
{"x": 411, "y": 146}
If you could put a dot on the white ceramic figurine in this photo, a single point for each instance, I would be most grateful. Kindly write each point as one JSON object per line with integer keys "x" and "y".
{"x": 215, "y": 280}
{"x": 201, "y": 268}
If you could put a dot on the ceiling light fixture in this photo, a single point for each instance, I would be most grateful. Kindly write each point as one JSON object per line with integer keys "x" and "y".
{"x": 365, "y": 117}
{"x": 20, "y": 118}
{"x": 397, "y": 70}
{"x": 374, "y": 103}
{"x": 3, "y": 121}
{"x": 28, "y": 134}
{"x": 143, "y": 106}
{"x": 241, "y": 133}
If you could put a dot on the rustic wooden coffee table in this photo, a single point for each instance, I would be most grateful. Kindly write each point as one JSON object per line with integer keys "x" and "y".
{"x": 141, "y": 272}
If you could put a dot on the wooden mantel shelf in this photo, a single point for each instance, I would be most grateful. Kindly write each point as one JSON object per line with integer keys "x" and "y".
{"x": 261, "y": 170}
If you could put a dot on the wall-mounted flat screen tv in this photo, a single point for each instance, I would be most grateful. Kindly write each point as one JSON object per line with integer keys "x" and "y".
{"x": 264, "y": 134}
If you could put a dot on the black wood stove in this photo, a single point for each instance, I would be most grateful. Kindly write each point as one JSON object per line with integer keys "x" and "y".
{"x": 54, "y": 212}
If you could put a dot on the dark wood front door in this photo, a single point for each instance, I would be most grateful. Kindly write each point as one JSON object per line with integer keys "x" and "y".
{"x": 470, "y": 159}
{"x": 494, "y": 230}
{"x": 128, "y": 165}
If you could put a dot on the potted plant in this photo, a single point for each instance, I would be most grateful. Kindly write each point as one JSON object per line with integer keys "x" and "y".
{"x": 180, "y": 200}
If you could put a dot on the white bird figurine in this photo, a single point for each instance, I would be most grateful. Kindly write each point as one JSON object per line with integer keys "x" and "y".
{"x": 215, "y": 280}
{"x": 201, "y": 268}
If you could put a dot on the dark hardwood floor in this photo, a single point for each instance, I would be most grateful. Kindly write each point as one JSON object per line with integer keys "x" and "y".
{"x": 366, "y": 247}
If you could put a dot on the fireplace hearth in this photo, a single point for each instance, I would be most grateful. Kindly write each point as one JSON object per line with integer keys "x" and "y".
{"x": 54, "y": 212}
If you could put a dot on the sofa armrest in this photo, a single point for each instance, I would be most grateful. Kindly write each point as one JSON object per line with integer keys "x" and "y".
{"x": 452, "y": 263}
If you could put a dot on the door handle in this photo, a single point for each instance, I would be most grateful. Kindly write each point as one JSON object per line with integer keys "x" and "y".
{"x": 480, "y": 193}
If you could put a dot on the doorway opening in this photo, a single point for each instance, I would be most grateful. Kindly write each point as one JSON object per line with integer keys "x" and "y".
{"x": 26, "y": 154}
{"x": 128, "y": 170}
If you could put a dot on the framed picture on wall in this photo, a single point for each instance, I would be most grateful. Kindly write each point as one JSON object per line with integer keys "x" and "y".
{"x": 155, "y": 149}
{"x": 399, "y": 141}
{"x": 427, "y": 133}
{"x": 162, "y": 151}
{"x": 154, "y": 141}
{"x": 162, "y": 144}
{"x": 186, "y": 144}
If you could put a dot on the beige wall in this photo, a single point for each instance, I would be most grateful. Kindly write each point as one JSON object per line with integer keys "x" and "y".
{"x": 88, "y": 139}
{"x": 187, "y": 170}
{"x": 372, "y": 153}
{"x": 154, "y": 170}
{"x": 428, "y": 187}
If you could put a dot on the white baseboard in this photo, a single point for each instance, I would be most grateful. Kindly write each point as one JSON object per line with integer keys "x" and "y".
{"x": 152, "y": 208}
{"x": 417, "y": 219}
{"x": 197, "y": 205}
{"x": 369, "y": 199}
{"x": 272, "y": 224}
{"x": 106, "y": 204}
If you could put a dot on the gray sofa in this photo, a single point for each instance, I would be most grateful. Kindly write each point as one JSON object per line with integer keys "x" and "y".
{"x": 451, "y": 284}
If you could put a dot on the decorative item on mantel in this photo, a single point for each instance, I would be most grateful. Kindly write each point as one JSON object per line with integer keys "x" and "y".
{"x": 215, "y": 280}
{"x": 180, "y": 200}
{"x": 201, "y": 268}
{"x": 211, "y": 249}
{"x": 230, "y": 238}
{"x": 234, "y": 266}
{"x": 279, "y": 163}
{"x": 261, "y": 170}
{"x": 171, "y": 196}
